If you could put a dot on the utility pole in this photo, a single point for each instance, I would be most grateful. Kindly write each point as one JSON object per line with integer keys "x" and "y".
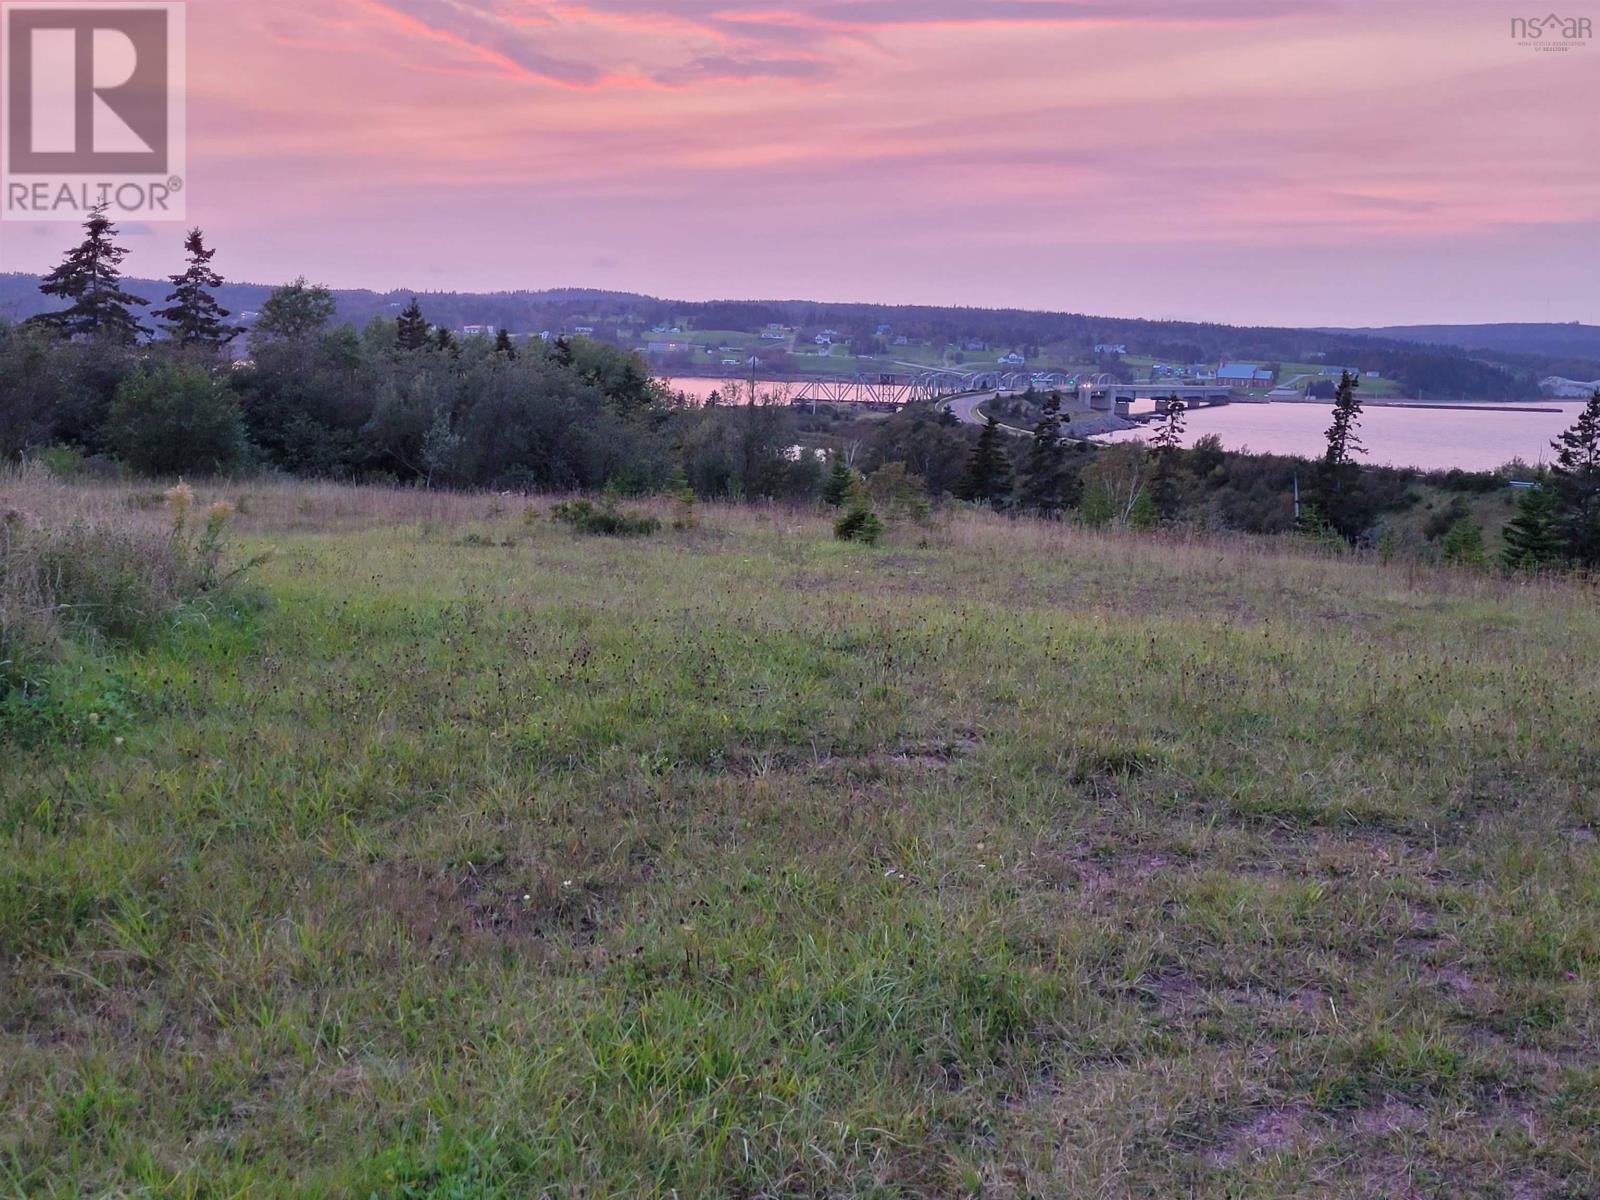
{"x": 1297, "y": 496}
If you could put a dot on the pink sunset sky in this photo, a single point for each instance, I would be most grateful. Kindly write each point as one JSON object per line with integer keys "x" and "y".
{"x": 1258, "y": 161}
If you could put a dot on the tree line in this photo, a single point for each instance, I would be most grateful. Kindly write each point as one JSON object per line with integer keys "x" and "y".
{"x": 398, "y": 400}
{"x": 405, "y": 400}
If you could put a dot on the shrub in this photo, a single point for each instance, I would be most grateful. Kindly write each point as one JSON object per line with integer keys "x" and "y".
{"x": 900, "y": 494}
{"x": 683, "y": 498}
{"x": 859, "y": 525}
{"x": 175, "y": 420}
{"x": 606, "y": 520}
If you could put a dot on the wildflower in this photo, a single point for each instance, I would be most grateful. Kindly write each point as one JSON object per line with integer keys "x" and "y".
{"x": 119, "y": 741}
{"x": 94, "y": 718}
{"x": 180, "y": 499}
{"x": 566, "y": 883}
{"x": 219, "y": 512}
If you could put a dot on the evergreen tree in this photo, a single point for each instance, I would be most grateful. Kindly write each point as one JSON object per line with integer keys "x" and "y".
{"x": 1044, "y": 475}
{"x": 445, "y": 342}
{"x": 988, "y": 477}
{"x": 194, "y": 318}
{"x": 1576, "y": 479}
{"x": 1336, "y": 476}
{"x": 1533, "y": 536}
{"x": 841, "y": 481}
{"x": 1463, "y": 544}
{"x": 503, "y": 346}
{"x": 412, "y": 330}
{"x": 90, "y": 278}
{"x": 1167, "y": 442}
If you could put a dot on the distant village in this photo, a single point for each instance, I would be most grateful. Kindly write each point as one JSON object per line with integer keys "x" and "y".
{"x": 798, "y": 351}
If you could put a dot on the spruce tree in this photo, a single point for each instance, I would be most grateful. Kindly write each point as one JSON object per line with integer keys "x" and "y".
{"x": 1463, "y": 544}
{"x": 1576, "y": 479}
{"x": 412, "y": 331}
{"x": 988, "y": 477}
{"x": 1044, "y": 475}
{"x": 1337, "y": 475}
{"x": 1167, "y": 442}
{"x": 1533, "y": 537}
{"x": 841, "y": 481}
{"x": 194, "y": 318}
{"x": 503, "y": 346}
{"x": 445, "y": 342}
{"x": 90, "y": 278}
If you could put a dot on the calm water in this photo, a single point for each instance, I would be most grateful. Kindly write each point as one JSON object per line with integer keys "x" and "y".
{"x": 1429, "y": 438}
{"x": 700, "y": 389}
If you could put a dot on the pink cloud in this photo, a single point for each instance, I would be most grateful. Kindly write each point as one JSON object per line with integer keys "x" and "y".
{"x": 1020, "y": 151}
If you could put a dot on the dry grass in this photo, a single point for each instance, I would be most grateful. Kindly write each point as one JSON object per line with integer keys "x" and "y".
{"x": 88, "y": 562}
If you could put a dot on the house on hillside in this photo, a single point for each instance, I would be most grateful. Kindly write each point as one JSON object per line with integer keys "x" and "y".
{"x": 478, "y": 331}
{"x": 1011, "y": 360}
{"x": 1110, "y": 348}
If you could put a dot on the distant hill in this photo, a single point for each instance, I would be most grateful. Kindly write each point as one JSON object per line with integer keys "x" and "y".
{"x": 1535, "y": 339}
{"x": 1431, "y": 360}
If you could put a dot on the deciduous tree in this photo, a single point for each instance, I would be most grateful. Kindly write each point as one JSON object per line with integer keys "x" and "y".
{"x": 294, "y": 312}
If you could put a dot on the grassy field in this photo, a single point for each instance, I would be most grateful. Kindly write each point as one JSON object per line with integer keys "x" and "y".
{"x": 1002, "y": 860}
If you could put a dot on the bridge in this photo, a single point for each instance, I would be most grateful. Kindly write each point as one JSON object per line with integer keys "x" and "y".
{"x": 1103, "y": 394}
{"x": 889, "y": 392}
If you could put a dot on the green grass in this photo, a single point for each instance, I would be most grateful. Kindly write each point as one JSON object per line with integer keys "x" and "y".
{"x": 1002, "y": 859}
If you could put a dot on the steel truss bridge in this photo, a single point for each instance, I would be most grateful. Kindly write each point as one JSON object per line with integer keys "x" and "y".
{"x": 888, "y": 391}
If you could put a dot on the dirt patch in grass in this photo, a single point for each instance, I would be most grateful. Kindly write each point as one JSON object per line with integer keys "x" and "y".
{"x": 1272, "y": 1131}
{"x": 1101, "y": 874}
{"x": 479, "y": 907}
{"x": 1388, "y": 1116}
{"x": 933, "y": 755}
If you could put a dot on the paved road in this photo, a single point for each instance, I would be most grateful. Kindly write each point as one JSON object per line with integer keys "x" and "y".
{"x": 965, "y": 409}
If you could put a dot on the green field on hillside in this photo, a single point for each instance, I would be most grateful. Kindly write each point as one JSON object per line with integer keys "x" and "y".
{"x": 462, "y": 856}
